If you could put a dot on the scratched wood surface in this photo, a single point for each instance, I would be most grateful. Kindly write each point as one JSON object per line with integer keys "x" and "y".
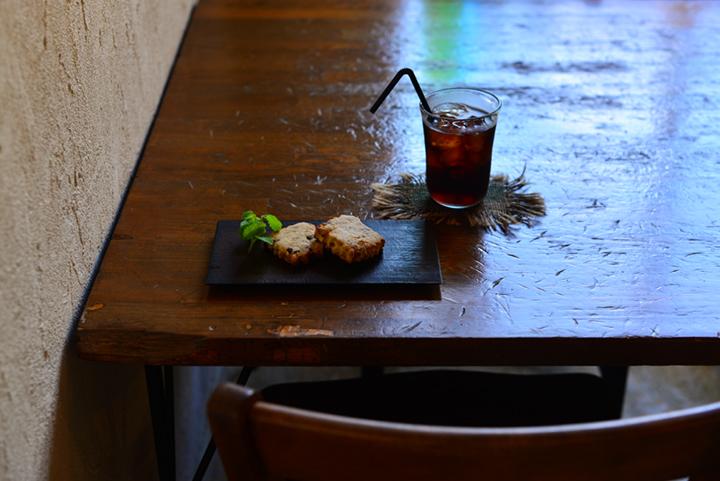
{"x": 613, "y": 107}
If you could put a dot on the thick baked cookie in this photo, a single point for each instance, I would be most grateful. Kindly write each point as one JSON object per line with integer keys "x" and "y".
{"x": 349, "y": 239}
{"x": 296, "y": 244}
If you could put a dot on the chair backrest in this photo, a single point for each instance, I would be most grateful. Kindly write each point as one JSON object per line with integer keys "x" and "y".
{"x": 262, "y": 441}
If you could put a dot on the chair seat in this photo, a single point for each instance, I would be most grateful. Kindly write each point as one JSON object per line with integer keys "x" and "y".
{"x": 455, "y": 398}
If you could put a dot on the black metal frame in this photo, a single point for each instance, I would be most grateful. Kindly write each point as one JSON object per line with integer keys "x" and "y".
{"x": 616, "y": 379}
{"x": 242, "y": 379}
{"x": 161, "y": 397}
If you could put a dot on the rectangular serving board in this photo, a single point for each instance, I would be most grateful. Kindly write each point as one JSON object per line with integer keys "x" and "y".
{"x": 410, "y": 257}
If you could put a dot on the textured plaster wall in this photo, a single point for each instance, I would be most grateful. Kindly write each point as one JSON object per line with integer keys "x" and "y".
{"x": 79, "y": 83}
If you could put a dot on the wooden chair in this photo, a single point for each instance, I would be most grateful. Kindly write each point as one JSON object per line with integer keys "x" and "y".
{"x": 258, "y": 440}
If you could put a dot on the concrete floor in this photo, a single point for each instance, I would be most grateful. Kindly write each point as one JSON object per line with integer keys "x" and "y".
{"x": 650, "y": 390}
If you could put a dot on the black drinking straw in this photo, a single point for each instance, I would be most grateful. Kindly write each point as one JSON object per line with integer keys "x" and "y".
{"x": 393, "y": 82}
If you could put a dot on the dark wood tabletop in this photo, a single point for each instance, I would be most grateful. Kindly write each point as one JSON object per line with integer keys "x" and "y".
{"x": 613, "y": 108}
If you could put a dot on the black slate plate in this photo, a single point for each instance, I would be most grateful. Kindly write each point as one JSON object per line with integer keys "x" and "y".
{"x": 409, "y": 258}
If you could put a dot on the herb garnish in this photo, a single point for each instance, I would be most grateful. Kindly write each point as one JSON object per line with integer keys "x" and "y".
{"x": 254, "y": 228}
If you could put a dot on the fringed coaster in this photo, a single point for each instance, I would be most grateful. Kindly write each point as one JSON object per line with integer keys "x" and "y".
{"x": 503, "y": 206}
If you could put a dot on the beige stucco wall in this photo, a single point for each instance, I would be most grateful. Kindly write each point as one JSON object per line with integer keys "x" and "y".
{"x": 79, "y": 83}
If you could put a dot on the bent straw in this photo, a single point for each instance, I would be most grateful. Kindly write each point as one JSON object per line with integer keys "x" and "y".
{"x": 393, "y": 82}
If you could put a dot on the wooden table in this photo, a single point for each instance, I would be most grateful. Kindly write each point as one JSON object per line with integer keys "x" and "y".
{"x": 613, "y": 107}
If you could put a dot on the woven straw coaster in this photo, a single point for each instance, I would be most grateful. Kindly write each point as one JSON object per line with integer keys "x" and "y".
{"x": 503, "y": 207}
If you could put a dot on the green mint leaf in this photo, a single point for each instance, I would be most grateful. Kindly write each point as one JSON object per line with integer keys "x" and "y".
{"x": 273, "y": 222}
{"x": 248, "y": 219}
{"x": 245, "y": 229}
{"x": 266, "y": 239}
{"x": 253, "y": 230}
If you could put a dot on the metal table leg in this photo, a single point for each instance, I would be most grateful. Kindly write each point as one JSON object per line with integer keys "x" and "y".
{"x": 616, "y": 378}
{"x": 161, "y": 398}
{"x": 210, "y": 449}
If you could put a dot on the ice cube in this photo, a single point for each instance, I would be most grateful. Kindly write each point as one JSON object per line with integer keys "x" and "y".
{"x": 453, "y": 157}
{"x": 444, "y": 141}
{"x": 459, "y": 111}
{"x": 453, "y": 110}
{"x": 474, "y": 142}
